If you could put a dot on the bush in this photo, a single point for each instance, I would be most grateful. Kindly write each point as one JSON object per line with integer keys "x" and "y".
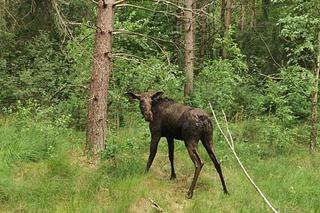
{"x": 288, "y": 98}
{"x": 218, "y": 84}
{"x": 269, "y": 136}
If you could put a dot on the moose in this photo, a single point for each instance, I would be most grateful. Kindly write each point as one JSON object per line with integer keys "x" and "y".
{"x": 177, "y": 121}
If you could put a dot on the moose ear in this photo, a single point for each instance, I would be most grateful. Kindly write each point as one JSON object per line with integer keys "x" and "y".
{"x": 157, "y": 95}
{"x": 132, "y": 95}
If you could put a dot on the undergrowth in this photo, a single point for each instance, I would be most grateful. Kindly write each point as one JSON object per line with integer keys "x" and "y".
{"x": 42, "y": 169}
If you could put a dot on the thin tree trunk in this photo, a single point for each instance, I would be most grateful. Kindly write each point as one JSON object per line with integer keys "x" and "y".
{"x": 227, "y": 22}
{"x": 314, "y": 102}
{"x": 203, "y": 34}
{"x": 178, "y": 56}
{"x": 253, "y": 15}
{"x": 188, "y": 47}
{"x": 242, "y": 17}
{"x": 102, "y": 63}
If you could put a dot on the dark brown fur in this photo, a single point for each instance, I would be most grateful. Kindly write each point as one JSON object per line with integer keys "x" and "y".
{"x": 176, "y": 121}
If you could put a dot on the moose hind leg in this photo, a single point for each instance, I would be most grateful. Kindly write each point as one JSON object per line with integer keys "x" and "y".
{"x": 208, "y": 146}
{"x": 197, "y": 163}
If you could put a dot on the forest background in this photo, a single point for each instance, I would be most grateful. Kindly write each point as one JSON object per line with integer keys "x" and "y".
{"x": 258, "y": 60}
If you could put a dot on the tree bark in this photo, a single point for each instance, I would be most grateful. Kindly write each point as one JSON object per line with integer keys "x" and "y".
{"x": 178, "y": 53}
{"x": 242, "y": 16}
{"x": 314, "y": 102}
{"x": 203, "y": 33}
{"x": 227, "y": 22}
{"x": 102, "y": 64}
{"x": 188, "y": 46}
{"x": 253, "y": 15}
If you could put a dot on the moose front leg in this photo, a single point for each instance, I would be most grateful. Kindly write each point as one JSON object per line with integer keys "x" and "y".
{"x": 153, "y": 150}
{"x": 171, "y": 157}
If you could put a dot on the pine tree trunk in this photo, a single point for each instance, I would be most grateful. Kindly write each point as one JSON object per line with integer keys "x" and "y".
{"x": 314, "y": 102}
{"x": 102, "y": 64}
{"x": 188, "y": 47}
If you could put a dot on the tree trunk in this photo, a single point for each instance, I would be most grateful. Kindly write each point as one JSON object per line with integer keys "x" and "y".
{"x": 178, "y": 54}
{"x": 203, "y": 49}
{"x": 227, "y": 22}
{"x": 253, "y": 15}
{"x": 314, "y": 102}
{"x": 188, "y": 46}
{"x": 102, "y": 64}
{"x": 242, "y": 17}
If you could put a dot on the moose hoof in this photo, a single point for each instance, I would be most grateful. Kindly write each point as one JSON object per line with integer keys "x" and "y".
{"x": 173, "y": 177}
{"x": 189, "y": 195}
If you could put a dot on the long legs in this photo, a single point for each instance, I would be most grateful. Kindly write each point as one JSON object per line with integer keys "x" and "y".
{"x": 153, "y": 150}
{"x": 191, "y": 147}
{"x": 207, "y": 143}
{"x": 192, "y": 150}
{"x": 171, "y": 157}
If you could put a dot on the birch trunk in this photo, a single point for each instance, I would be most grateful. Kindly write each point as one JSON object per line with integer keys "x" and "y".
{"x": 314, "y": 102}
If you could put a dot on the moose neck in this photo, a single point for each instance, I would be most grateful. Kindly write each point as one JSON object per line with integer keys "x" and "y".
{"x": 159, "y": 104}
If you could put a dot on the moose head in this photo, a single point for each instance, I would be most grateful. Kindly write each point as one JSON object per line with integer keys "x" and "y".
{"x": 146, "y": 99}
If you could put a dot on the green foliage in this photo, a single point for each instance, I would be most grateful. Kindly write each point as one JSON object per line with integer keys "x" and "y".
{"x": 35, "y": 136}
{"x": 267, "y": 137}
{"x": 37, "y": 71}
{"x": 288, "y": 97}
{"x": 299, "y": 29}
{"x": 220, "y": 87}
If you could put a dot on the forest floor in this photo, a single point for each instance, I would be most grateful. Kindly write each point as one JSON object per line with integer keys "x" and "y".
{"x": 42, "y": 169}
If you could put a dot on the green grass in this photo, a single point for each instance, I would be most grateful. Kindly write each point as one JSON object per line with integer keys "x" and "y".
{"x": 42, "y": 169}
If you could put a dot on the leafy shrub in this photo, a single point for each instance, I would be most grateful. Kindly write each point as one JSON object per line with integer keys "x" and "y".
{"x": 219, "y": 84}
{"x": 124, "y": 154}
{"x": 288, "y": 97}
{"x": 268, "y": 136}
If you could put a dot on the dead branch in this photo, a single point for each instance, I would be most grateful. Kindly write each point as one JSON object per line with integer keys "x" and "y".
{"x": 32, "y": 9}
{"x": 119, "y": 2}
{"x": 268, "y": 49}
{"x": 231, "y": 145}
{"x": 61, "y": 20}
{"x": 195, "y": 11}
{"x": 122, "y": 31}
{"x": 12, "y": 16}
{"x": 151, "y": 38}
{"x": 83, "y": 24}
{"x": 155, "y": 205}
{"x": 147, "y": 9}
{"x": 128, "y": 57}
{"x": 95, "y": 2}
{"x": 270, "y": 77}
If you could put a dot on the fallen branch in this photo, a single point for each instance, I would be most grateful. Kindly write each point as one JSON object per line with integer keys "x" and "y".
{"x": 155, "y": 205}
{"x": 231, "y": 145}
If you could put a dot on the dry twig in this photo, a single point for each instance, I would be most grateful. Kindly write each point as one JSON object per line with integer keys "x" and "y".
{"x": 155, "y": 205}
{"x": 231, "y": 145}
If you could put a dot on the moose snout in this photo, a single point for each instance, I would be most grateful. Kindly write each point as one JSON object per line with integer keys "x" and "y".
{"x": 148, "y": 116}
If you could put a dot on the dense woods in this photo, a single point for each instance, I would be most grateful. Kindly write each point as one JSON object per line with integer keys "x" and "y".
{"x": 65, "y": 67}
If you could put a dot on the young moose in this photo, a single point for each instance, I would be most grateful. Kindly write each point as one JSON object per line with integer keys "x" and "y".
{"x": 176, "y": 121}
